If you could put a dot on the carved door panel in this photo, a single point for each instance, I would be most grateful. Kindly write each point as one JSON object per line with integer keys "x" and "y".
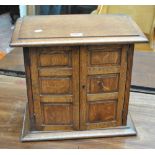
{"x": 102, "y": 85}
{"x": 55, "y": 87}
{"x": 67, "y": 97}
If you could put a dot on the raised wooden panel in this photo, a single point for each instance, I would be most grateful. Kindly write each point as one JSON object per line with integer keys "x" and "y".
{"x": 55, "y": 85}
{"x": 56, "y": 88}
{"x": 102, "y": 96}
{"x": 55, "y": 58}
{"x": 103, "y": 83}
{"x": 53, "y": 71}
{"x": 56, "y": 98}
{"x": 104, "y": 57}
{"x": 55, "y": 114}
{"x": 102, "y": 111}
{"x": 103, "y": 70}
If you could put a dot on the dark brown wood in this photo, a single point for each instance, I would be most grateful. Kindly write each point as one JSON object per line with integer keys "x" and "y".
{"x": 81, "y": 80}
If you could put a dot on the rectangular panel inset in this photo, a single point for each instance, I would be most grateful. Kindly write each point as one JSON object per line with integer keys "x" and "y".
{"x": 56, "y": 98}
{"x": 55, "y": 71}
{"x": 54, "y": 58}
{"x": 103, "y": 70}
{"x": 58, "y": 114}
{"x": 103, "y": 83}
{"x": 107, "y": 57}
{"x": 102, "y": 96}
{"x": 55, "y": 85}
{"x": 102, "y": 111}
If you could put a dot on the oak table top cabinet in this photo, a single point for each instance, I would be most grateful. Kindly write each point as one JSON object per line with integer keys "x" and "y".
{"x": 78, "y": 73}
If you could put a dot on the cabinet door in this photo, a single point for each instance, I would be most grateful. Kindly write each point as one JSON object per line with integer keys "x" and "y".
{"x": 102, "y": 85}
{"x": 55, "y": 87}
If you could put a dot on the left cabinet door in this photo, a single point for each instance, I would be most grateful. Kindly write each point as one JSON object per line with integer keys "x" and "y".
{"x": 55, "y": 87}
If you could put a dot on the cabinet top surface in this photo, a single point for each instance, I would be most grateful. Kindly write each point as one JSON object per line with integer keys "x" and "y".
{"x": 75, "y": 29}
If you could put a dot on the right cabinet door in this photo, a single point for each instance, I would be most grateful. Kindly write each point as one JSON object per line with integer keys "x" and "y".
{"x": 102, "y": 85}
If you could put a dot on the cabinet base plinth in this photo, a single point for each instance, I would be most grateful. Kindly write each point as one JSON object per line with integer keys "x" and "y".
{"x": 27, "y": 135}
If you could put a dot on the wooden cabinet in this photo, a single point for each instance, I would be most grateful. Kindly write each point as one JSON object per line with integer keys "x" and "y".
{"x": 78, "y": 88}
{"x": 102, "y": 80}
{"x": 55, "y": 87}
{"x": 78, "y": 79}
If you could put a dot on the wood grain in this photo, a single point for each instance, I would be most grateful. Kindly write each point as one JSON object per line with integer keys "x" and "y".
{"x": 101, "y": 111}
{"x": 35, "y": 88}
{"x": 57, "y": 114}
{"x": 57, "y": 85}
{"x": 56, "y": 93}
{"x": 103, "y": 70}
{"x": 98, "y": 26}
{"x": 103, "y": 83}
{"x": 56, "y": 98}
{"x": 13, "y": 92}
{"x": 49, "y": 71}
{"x": 88, "y": 29}
{"x": 91, "y": 76}
{"x": 76, "y": 85}
{"x": 29, "y": 87}
{"x": 107, "y": 57}
{"x": 130, "y": 53}
{"x": 122, "y": 82}
{"x": 102, "y": 96}
{"x": 83, "y": 87}
{"x": 54, "y": 58}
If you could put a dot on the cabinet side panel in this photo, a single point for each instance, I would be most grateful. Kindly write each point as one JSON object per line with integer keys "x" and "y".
{"x": 29, "y": 86}
{"x": 35, "y": 88}
{"x": 122, "y": 82}
{"x": 130, "y": 54}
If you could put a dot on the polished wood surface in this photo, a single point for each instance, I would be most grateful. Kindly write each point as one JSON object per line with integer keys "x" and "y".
{"x": 130, "y": 53}
{"x": 95, "y": 88}
{"x": 75, "y": 26}
{"x": 27, "y": 135}
{"x": 55, "y": 95}
{"x": 13, "y": 92}
{"x": 14, "y": 61}
{"x": 66, "y": 119}
{"x": 55, "y": 101}
{"x": 108, "y": 96}
{"x": 75, "y": 29}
